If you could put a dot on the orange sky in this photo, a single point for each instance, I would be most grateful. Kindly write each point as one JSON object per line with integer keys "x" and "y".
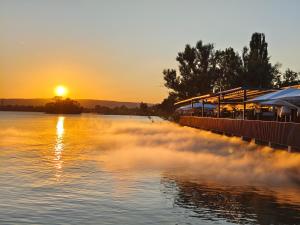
{"x": 117, "y": 50}
{"x": 38, "y": 79}
{"x": 35, "y": 75}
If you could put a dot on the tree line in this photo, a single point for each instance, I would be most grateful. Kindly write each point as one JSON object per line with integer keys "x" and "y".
{"x": 63, "y": 106}
{"x": 202, "y": 69}
{"x": 142, "y": 110}
{"x": 69, "y": 106}
{"x": 57, "y": 106}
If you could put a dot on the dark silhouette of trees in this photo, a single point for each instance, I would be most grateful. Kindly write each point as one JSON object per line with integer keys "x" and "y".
{"x": 102, "y": 109}
{"x": 257, "y": 66}
{"x": 22, "y": 108}
{"x": 166, "y": 107}
{"x": 60, "y": 106}
{"x": 277, "y": 75}
{"x": 290, "y": 77}
{"x": 144, "y": 110}
{"x": 228, "y": 70}
{"x": 194, "y": 76}
{"x": 202, "y": 70}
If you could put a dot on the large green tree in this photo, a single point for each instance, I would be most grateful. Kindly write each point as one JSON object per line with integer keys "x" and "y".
{"x": 228, "y": 69}
{"x": 194, "y": 76}
{"x": 290, "y": 77}
{"x": 201, "y": 70}
{"x": 258, "y": 69}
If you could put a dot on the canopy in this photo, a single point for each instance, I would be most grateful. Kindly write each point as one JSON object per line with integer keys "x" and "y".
{"x": 273, "y": 95}
{"x": 279, "y": 102}
{"x": 292, "y": 94}
{"x": 197, "y": 105}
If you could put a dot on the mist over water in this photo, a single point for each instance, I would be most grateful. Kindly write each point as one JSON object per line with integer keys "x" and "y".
{"x": 199, "y": 154}
{"x": 132, "y": 170}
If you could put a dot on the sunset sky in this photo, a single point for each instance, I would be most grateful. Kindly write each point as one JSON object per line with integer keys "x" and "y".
{"x": 116, "y": 50}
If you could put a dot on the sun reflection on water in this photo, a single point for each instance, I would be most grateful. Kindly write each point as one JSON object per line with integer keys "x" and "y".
{"x": 59, "y": 146}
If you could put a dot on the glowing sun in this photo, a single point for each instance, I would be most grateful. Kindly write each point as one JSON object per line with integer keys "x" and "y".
{"x": 60, "y": 91}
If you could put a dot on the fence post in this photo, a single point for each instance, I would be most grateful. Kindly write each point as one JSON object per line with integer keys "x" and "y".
{"x": 202, "y": 108}
{"x": 219, "y": 106}
{"x": 244, "y": 103}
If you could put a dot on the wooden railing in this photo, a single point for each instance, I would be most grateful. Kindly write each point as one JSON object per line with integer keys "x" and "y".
{"x": 282, "y": 133}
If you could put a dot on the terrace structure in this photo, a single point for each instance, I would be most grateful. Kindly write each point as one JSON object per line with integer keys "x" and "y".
{"x": 234, "y": 98}
{"x": 234, "y": 115}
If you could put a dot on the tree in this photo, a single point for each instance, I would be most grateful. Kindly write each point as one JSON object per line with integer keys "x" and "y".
{"x": 172, "y": 81}
{"x": 257, "y": 68}
{"x": 103, "y": 109}
{"x": 202, "y": 70}
{"x": 277, "y": 81}
{"x": 66, "y": 106}
{"x": 194, "y": 76}
{"x": 290, "y": 78}
{"x": 228, "y": 69}
{"x": 144, "y": 108}
{"x": 166, "y": 107}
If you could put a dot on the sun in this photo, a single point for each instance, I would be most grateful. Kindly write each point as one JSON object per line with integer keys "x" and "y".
{"x": 60, "y": 91}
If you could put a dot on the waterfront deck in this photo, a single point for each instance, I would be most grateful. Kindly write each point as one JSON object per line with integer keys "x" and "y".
{"x": 269, "y": 132}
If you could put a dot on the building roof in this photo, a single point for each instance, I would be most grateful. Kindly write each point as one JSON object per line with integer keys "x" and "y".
{"x": 197, "y": 105}
{"x": 288, "y": 94}
{"x": 270, "y": 96}
{"x": 232, "y": 96}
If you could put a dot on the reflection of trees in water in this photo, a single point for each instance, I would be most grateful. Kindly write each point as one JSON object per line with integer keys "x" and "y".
{"x": 234, "y": 204}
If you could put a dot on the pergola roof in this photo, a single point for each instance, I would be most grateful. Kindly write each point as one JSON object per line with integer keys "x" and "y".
{"x": 288, "y": 94}
{"x": 232, "y": 96}
{"x": 197, "y": 105}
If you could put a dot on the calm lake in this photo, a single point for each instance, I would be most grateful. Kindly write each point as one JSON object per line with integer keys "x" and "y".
{"x": 94, "y": 169}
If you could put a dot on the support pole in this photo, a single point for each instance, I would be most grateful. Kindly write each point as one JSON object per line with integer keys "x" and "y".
{"x": 219, "y": 106}
{"x": 244, "y": 103}
{"x": 202, "y": 108}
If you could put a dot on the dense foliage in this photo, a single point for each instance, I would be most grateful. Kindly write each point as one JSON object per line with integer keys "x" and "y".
{"x": 202, "y": 69}
{"x": 60, "y": 106}
{"x": 142, "y": 110}
{"x": 22, "y": 108}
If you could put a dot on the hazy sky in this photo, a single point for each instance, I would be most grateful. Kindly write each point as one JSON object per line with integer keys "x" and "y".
{"x": 118, "y": 49}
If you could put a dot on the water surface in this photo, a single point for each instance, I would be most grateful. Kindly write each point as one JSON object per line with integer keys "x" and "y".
{"x": 93, "y": 169}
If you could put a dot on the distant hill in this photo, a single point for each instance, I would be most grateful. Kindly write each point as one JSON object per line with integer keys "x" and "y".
{"x": 87, "y": 103}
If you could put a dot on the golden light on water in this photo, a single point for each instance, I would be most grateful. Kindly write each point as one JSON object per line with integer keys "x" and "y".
{"x": 61, "y": 91}
{"x": 60, "y": 126}
{"x": 59, "y": 145}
